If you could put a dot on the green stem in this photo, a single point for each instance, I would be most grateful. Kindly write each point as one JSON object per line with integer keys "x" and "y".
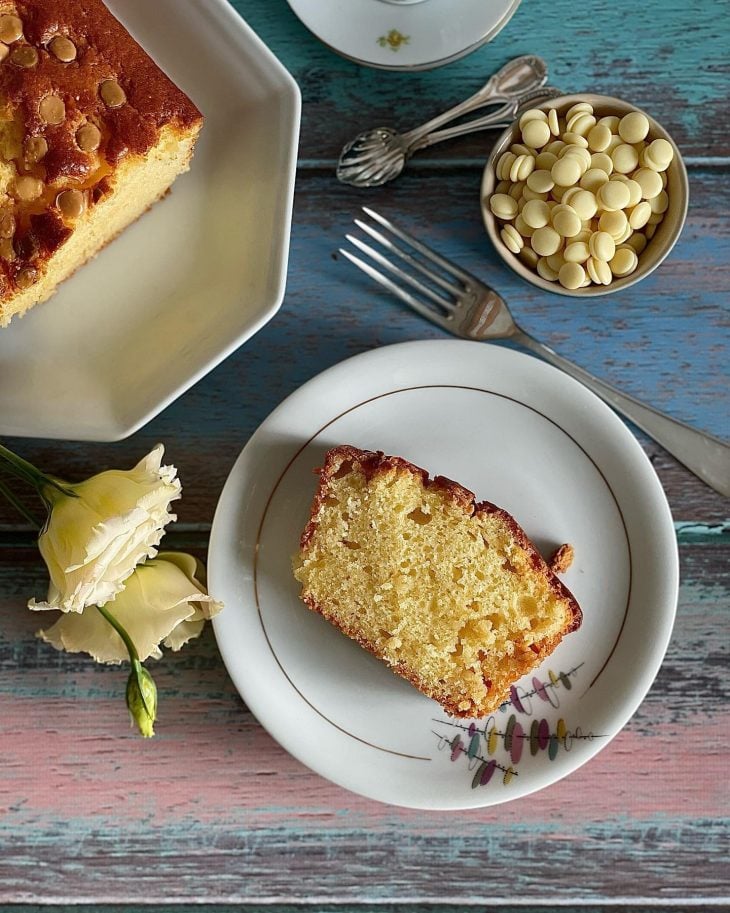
{"x": 18, "y": 505}
{"x": 27, "y": 471}
{"x": 131, "y": 649}
{"x": 119, "y": 628}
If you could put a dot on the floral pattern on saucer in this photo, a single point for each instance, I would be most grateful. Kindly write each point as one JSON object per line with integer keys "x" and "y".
{"x": 511, "y": 739}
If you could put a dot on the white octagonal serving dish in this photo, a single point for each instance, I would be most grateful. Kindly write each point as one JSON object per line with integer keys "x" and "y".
{"x": 197, "y": 275}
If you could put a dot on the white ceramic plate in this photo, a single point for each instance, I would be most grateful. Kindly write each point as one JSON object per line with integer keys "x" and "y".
{"x": 194, "y": 277}
{"x": 393, "y": 35}
{"x": 518, "y": 433}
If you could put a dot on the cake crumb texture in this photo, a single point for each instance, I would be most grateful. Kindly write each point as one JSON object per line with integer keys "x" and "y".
{"x": 92, "y": 133}
{"x": 451, "y": 594}
{"x": 562, "y": 558}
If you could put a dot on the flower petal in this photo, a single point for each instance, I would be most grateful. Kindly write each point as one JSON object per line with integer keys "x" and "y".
{"x": 93, "y": 541}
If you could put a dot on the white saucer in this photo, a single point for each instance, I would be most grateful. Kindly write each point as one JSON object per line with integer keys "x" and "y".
{"x": 404, "y": 36}
{"x": 518, "y": 433}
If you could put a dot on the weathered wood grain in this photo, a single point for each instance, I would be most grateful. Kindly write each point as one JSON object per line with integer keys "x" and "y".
{"x": 213, "y": 809}
{"x": 213, "y": 814}
{"x": 667, "y": 56}
{"x": 351, "y": 908}
{"x": 664, "y": 340}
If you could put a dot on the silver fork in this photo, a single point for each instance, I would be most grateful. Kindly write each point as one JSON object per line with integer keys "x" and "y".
{"x": 460, "y": 303}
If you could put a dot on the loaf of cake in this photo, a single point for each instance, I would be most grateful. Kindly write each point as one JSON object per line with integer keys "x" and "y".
{"x": 451, "y": 594}
{"x": 92, "y": 133}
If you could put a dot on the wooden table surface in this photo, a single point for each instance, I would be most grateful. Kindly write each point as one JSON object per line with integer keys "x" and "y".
{"x": 212, "y": 811}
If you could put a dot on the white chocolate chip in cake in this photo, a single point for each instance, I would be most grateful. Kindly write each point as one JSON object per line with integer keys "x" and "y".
{"x": 11, "y": 28}
{"x": 52, "y": 110}
{"x": 62, "y": 48}
{"x": 112, "y": 94}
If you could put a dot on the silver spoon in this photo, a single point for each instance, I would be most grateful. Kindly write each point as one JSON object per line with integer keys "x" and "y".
{"x": 383, "y": 149}
{"x": 375, "y": 170}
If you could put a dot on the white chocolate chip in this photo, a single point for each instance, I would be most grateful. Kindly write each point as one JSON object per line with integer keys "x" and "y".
{"x": 536, "y": 213}
{"x": 638, "y": 242}
{"x": 536, "y": 133}
{"x": 599, "y": 271}
{"x": 512, "y": 239}
{"x": 566, "y": 222}
{"x": 602, "y": 246}
{"x": 575, "y": 139}
{"x": 545, "y": 241}
{"x": 639, "y": 215}
{"x": 659, "y": 203}
{"x": 649, "y": 181}
{"x": 546, "y": 271}
{"x": 602, "y": 161}
{"x": 585, "y": 204}
{"x": 566, "y": 171}
{"x": 577, "y": 108}
{"x": 541, "y": 181}
{"x": 576, "y": 252}
{"x": 528, "y": 256}
{"x": 613, "y": 195}
{"x": 634, "y": 192}
{"x": 599, "y": 136}
{"x": 553, "y": 122}
{"x": 659, "y": 154}
{"x": 624, "y": 261}
{"x": 611, "y": 121}
{"x": 545, "y": 160}
{"x": 633, "y": 127}
{"x": 503, "y": 206}
{"x": 522, "y": 168}
{"x": 571, "y": 275}
{"x": 516, "y": 190}
{"x": 625, "y": 158}
{"x": 532, "y": 114}
{"x": 581, "y": 123}
{"x": 593, "y": 179}
{"x": 614, "y": 223}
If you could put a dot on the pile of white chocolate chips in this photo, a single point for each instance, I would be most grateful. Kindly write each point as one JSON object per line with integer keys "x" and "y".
{"x": 580, "y": 196}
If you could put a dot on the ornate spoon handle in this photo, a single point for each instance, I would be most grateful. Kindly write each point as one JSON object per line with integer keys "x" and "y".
{"x": 515, "y": 78}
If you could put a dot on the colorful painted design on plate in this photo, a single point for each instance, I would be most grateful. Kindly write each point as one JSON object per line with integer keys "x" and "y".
{"x": 480, "y": 746}
{"x": 393, "y": 40}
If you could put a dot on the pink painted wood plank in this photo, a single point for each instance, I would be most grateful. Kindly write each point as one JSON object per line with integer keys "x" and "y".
{"x": 213, "y": 809}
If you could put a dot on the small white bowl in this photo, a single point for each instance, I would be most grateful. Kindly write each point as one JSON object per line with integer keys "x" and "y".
{"x": 667, "y": 231}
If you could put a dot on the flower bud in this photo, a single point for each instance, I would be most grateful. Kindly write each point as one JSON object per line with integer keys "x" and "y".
{"x": 142, "y": 699}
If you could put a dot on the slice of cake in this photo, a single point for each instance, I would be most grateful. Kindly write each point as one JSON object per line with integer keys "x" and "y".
{"x": 451, "y": 594}
{"x": 92, "y": 133}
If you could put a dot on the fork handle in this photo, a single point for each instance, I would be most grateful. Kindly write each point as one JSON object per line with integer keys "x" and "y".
{"x": 703, "y": 454}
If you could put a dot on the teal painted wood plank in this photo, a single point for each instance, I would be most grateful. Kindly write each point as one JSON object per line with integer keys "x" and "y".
{"x": 665, "y": 340}
{"x": 667, "y": 56}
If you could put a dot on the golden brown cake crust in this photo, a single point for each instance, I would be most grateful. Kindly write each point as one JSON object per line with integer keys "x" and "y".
{"x": 372, "y": 463}
{"x": 35, "y": 70}
{"x": 105, "y": 50}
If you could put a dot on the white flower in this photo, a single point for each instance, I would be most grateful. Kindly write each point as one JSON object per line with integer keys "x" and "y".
{"x": 163, "y": 602}
{"x": 93, "y": 542}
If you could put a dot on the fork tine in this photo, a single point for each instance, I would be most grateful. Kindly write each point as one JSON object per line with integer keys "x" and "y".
{"x": 400, "y": 274}
{"x": 404, "y": 255}
{"x": 431, "y": 255}
{"x": 418, "y": 306}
